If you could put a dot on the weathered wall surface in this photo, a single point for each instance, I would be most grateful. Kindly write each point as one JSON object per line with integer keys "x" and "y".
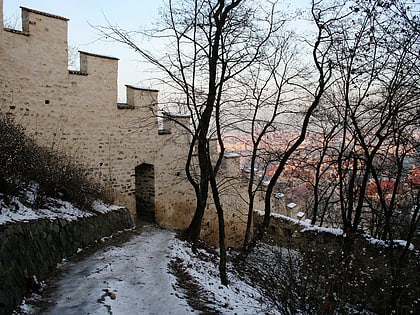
{"x": 232, "y": 196}
{"x": 34, "y": 248}
{"x": 77, "y": 111}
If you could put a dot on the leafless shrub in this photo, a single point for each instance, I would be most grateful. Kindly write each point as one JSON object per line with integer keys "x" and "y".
{"x": 328, "y": 280}
{"x": 22, "y": 161}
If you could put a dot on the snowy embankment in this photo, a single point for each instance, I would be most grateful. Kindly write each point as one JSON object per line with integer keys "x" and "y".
{"x": 21, "y": 209}
{"x": 35, "y": 238}
{"x": 306, "y": 226}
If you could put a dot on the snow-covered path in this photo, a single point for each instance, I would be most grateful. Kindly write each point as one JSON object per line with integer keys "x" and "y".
{"x": 131, "y": 278}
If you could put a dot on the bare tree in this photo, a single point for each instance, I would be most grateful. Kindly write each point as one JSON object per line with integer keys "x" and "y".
{"x": 322, "y": 64}
{"x": 375, "y": 97}
{"x": 316, "y": 162}
{"x": 209, "y": 44}
{"x": 270, "y": 95}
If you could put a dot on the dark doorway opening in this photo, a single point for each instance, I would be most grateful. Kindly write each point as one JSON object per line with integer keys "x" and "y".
{"x": 145, "y": 192}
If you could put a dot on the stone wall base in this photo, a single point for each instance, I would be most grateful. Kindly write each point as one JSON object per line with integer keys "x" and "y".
{"x": 34, "y": 248}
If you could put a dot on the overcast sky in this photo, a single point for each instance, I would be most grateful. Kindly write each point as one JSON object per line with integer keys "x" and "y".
{"x": 128, "y": 14}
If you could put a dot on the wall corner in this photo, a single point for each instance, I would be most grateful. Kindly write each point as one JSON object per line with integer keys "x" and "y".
{"x": 143, "y": 99}
{"x": 171, "y": 122}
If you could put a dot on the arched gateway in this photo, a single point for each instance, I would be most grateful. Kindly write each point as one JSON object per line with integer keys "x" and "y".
{"x": 145, "y": 192}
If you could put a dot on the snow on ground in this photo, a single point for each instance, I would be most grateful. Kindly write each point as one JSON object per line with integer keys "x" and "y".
{"x": 236, "y": 298}
{"x": 133, "y": 278}
{"x": 127, "y": 279}
{"x": 16, "y": 210}
{"x": 306, "y": 226}
{"x": 19, "y": 212}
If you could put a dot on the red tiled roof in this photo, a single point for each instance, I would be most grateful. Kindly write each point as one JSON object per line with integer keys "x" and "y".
{"x": 414, "y": 176}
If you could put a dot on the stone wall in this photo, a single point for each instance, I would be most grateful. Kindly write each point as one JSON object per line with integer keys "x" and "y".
{"x": 291, "y": 233}
{"x": 34, "y": 248}
{"x": 77, "y": 111}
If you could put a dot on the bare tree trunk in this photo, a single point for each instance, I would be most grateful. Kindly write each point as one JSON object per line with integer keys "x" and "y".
{"x": 323, "y": 66}
{"x": 221, "y": 224}
{"x": 194, "y": 229}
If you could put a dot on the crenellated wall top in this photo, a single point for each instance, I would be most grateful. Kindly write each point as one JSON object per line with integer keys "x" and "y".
{"x": 28, "y": 10}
